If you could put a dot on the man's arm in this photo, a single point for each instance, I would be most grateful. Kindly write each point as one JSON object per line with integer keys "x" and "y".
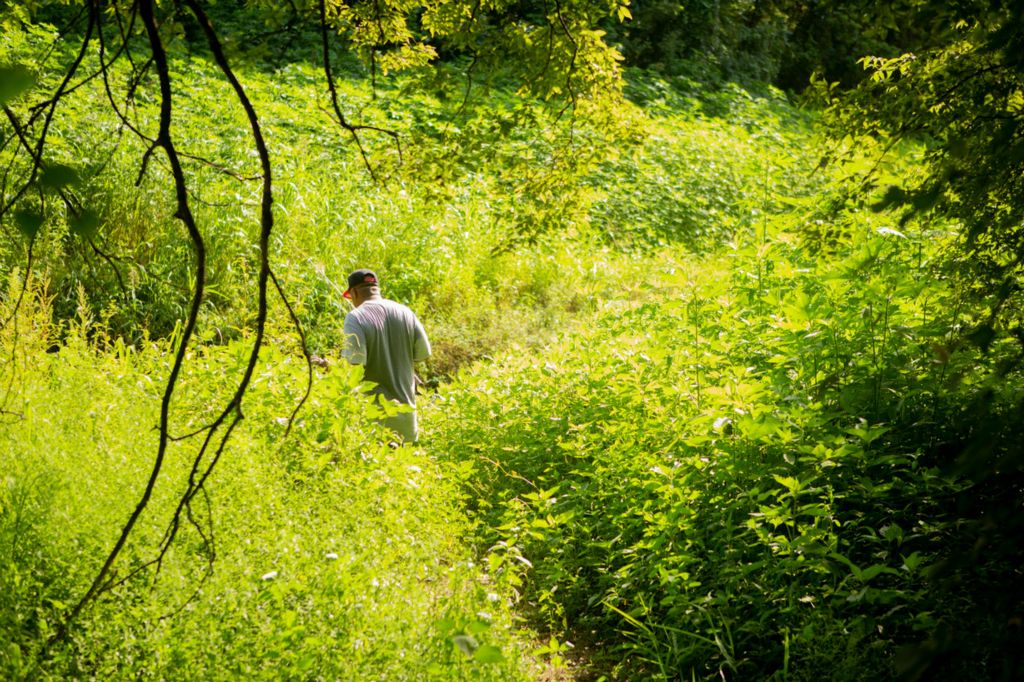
{"x": 421, "y": 345}
{"x": 354, "y": 343}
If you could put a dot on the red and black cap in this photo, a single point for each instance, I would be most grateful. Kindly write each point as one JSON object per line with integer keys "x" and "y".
{"x": 358, "y": 279}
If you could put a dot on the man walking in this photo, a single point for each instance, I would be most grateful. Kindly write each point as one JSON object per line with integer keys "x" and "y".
{"x": 386, "y": 338}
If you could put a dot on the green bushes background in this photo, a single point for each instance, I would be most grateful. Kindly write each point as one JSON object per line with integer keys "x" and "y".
{"x": 693, "y": 413}
{"x": 746, "y": 476}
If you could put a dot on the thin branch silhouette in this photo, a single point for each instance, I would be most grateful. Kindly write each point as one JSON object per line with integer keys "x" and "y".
{"x": 352, "y": 129}
{"x": 147, "y": 11}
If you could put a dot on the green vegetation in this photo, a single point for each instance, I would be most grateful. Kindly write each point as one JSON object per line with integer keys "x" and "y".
{"x": 330, "y": 552}
{"x": 701, "y": 406}
{"x": 747, "y": 476}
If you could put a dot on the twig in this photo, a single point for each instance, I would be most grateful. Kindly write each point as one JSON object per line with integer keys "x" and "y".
{"x": 184, "y": 213}
{"x": 305, "y": 354}
{"x": 352, "y": 129}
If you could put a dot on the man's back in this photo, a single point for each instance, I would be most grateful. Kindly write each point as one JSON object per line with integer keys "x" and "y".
{"x": 387, "y": 338}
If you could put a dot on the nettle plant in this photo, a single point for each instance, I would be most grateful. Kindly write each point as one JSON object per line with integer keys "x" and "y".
{"x": 735, "y": 479}
{"x": 336, "y": 555}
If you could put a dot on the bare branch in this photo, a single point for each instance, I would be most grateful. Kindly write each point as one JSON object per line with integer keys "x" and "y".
{"x": 352, "y": 129}
{"x": 100, "y": 582}
{"x": 305, "y": 354}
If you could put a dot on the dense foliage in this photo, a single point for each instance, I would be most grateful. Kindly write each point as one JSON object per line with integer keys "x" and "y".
{"x": 705, "y": 407}
{"x": 89, "y": 227}
{"x": 777, "y": 41}
{"x": 326, "y": 551}
{"x": 752, "y": 476}
{"x": 964, "y": 97}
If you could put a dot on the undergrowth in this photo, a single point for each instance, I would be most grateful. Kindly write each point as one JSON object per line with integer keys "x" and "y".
{"x": 752, "y": 476}
{"x": 326, "y": 554}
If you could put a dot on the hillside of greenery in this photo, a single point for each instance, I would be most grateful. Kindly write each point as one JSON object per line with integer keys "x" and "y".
{"x": 696, "y": 409}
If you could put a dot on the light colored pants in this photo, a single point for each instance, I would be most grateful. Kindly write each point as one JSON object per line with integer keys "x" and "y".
{"x": 404, "y": 424}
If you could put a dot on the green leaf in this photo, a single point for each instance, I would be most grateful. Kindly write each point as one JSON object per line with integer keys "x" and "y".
{"x": 871, "y": 571}
{"x": 57, "y": 176}
{"x": 14, "y": 80}
{"x": 28, "y": 222}
{"x": 892, "y": 533}
{"x": 467, "y": 644}
{"x": 866, "y": 433}
{"x": 488, "y": 653}
{"x": 761, "y": 428}
{"x": 84, "y": 224}
{"x": 477, "y": 627}
{"x": 910, "y": 563}
{"x": 842, "y": 559}
{"x": 793, "y": 485}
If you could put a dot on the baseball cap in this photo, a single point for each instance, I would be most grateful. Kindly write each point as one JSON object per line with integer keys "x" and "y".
{"x": 359, "y": 278}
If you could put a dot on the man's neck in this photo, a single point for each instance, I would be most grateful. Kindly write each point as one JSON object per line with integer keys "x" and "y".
{"x": 372, "y": 297}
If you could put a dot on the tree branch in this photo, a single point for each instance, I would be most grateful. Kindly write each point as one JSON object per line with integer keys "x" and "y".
{"x": 352, "y": 129}
{"x": 147, "y": 13}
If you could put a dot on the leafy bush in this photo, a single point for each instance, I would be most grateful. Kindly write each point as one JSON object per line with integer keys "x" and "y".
{"x": 711, "y": 165}
{"x": 743, "y": 477}
{"x": 432, "y": 222}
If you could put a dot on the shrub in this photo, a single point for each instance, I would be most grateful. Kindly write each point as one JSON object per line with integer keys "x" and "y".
{"x": 741, "y": 477}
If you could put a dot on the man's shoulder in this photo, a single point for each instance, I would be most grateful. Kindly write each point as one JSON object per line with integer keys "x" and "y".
{"x": 396, "y": 306}
{"x": 373, "y": 308}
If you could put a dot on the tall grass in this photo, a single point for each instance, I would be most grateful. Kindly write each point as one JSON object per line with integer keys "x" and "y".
{"x": 692, "y": 466}
{"x": 332, "y": 554}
